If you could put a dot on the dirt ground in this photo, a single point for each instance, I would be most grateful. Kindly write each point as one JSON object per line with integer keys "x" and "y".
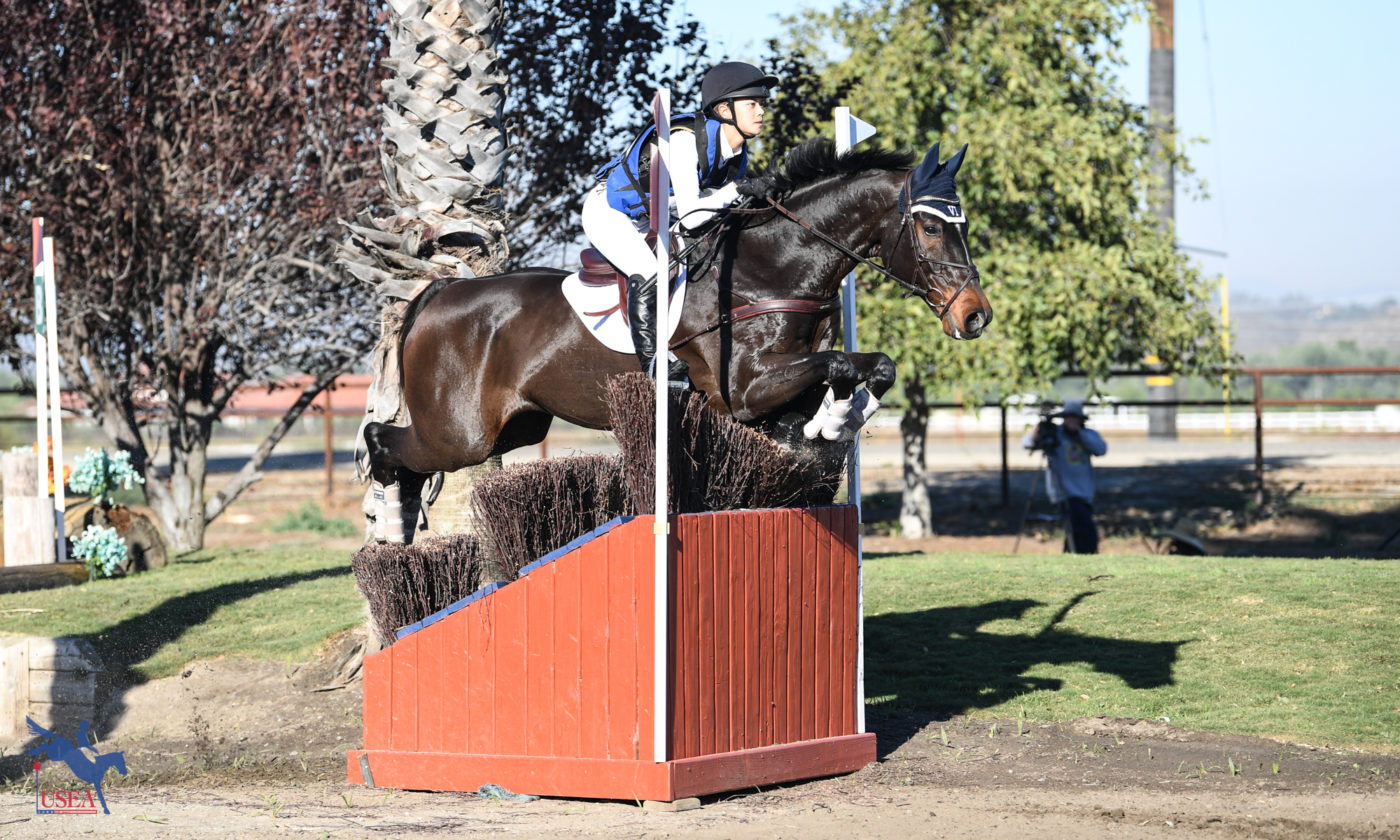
{"x": 238, "y": 749}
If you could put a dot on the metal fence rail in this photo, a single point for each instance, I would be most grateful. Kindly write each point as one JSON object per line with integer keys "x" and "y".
{"x": 347, "y": 398}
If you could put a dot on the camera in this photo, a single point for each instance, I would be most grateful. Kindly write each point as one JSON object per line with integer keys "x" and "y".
{"x": 1047, "y": 439}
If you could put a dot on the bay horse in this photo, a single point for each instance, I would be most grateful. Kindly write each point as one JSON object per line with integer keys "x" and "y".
{"x": 489, "y": 362}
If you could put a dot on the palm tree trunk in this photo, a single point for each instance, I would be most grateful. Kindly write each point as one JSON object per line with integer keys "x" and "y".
{"x": 444, "y": 155}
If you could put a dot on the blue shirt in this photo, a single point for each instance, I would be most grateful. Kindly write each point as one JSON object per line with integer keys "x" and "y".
{"x": 1068, "y": 470}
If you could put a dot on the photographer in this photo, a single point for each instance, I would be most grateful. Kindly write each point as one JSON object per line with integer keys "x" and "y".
{"x": 1068, "y": 446}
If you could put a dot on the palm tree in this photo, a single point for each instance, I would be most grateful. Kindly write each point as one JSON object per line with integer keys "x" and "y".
{"x": 444, "y": 155}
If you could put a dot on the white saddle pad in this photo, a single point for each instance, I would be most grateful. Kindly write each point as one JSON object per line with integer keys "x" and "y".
{"x": 597, "y": 307}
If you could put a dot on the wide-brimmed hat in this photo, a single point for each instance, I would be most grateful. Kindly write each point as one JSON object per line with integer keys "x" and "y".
{"x": 1073, "y": 408}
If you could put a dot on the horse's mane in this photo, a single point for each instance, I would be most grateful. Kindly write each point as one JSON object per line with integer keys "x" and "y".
{"x": 817, "y": 158}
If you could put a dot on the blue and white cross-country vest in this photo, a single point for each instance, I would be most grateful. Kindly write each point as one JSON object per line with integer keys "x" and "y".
{"x": 629, "y": 176}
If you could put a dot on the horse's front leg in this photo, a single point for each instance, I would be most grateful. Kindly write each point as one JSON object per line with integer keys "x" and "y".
{"x": 768, "y": 382}
{"x": 877, "y": 371}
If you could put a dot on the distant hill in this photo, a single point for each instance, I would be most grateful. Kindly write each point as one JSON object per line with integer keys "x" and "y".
{"x": 1264, "y": 328}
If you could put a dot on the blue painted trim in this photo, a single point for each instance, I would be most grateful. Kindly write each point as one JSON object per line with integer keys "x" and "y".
{"x": 492, "y": 587}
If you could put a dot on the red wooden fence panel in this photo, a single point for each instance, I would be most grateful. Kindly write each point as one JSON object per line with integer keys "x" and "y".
{"x": 548, "y": 682}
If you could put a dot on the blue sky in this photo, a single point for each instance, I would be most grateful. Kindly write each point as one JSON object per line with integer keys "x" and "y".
{"x": 1300, "y": 106}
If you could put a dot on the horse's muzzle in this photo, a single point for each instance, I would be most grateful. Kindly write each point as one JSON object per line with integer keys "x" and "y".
{"x": 976, "y": 322}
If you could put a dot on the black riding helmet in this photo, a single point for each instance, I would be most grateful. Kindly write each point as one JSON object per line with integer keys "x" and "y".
{"x": 733, "y": 80}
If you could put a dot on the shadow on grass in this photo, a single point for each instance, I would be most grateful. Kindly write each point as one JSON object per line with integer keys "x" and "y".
{"x": 128, "y": 643}
{"x": 930, "y": 664}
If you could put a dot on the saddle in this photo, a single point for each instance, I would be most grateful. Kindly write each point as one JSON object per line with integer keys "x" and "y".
{"x": 597, "y": 272}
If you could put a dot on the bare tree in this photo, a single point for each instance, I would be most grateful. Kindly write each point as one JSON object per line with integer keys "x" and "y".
{"x": 192, "y": 159}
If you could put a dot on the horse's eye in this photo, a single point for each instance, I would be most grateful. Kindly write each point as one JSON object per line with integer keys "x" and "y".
{"x": 933, "y": 230}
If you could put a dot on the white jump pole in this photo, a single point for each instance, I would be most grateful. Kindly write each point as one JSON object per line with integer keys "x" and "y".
{"x": 55, "y": 395}
{"x": 41, "y": 381}
{"x": 661, "y": 223}
{"x": 850, "y": 131}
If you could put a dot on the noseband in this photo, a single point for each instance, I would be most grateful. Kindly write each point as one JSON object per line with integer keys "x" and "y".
{"x": 923, "y": 263}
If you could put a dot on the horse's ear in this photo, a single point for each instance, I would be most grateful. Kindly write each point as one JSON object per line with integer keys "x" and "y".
{"x": 955, "y": 161}
{"x": 929, "y": 166}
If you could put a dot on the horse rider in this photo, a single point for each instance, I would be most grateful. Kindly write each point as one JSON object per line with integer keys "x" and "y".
{"x": 709, "y": 153}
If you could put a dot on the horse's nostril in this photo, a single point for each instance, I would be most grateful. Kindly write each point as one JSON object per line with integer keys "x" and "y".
{"x": 973, "y": 324}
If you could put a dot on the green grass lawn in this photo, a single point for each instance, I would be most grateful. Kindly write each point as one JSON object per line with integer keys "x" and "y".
{"x": 275, "y": 604}
{"x": 1303, "y": 649}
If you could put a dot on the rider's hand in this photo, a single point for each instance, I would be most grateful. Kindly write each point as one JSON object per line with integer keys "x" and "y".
{"x": 752, "y": 187}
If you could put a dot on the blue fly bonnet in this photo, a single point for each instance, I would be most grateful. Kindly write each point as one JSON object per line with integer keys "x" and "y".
{"x": 932, "y": 189}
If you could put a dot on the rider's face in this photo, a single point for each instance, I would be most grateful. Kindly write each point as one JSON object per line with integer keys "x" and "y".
{"x": 748, "y": 115}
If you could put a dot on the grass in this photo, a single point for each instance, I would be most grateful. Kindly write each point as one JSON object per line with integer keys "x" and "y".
{"x": 310, "y": 519}
{"x": 1294, "y": 648}
{"x": 1302, "y": 649}
{"x": 277, "y": 604}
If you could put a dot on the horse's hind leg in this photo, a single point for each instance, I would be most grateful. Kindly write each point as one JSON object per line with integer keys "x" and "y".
{"x": 395, "y": 490}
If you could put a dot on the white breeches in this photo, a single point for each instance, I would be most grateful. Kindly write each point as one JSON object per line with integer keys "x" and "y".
{"x": 620, "y": 239}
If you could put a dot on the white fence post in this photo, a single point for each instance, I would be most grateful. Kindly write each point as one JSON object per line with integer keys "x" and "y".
{"x": 55, "y": 395}
{"x": 661, "y": 221}
{"x": 850, "y": 131}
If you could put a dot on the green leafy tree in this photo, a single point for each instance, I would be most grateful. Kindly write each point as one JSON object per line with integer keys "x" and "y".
{"x": 1078, "y": 272}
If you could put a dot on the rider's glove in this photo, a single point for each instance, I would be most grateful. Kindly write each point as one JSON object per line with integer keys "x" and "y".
{"x": 752, "y": 187}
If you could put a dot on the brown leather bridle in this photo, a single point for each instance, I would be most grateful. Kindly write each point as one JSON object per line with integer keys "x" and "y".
{"x": 923, "y": 263}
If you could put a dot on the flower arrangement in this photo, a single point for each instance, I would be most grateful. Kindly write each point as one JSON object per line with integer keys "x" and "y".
{"x": 100, "y": 475}
{"x": 101, "y": 549}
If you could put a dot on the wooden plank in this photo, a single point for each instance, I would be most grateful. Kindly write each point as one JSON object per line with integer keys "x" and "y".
{"x": 616, "y": 779}
{"x": 849, "y": 649}
{"x": 705, "y": 640}
{"x": 724, "y": 671}
{"x": 837, "y": 693}
{"x": 767, "y": 635}
{"x": 683, "y": 638}
{"x": 782, "y": 627}
{"x": 403, "y": 731}
{"x": 593, "y": 663}
{"x": 540, "y": 775}
{"x": 378, "y": 689}
{"x": 454, "y": 666}
{"x": 754, "y": 637}
{"x": 771, "y": 765}
{"x": 644, "y": 611}
{"x": 622, "y": 739}
{"x": 509, "y": 619}
{"x": 808, "y": 729}
{"x": 431, "y": 684}
{"x": 796, "y": 547}
{"x": 568, "y": 677}
{"x": 476, "y": 621}
{"x": 695, "y": 582}
{"x": 739, "y": 617}
{"x": 821, "y": 572}
{"x": 539, "y": 661}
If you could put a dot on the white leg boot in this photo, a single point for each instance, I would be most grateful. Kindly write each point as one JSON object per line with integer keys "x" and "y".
{"x": 388, "y": 520}
{"x": 814, "y": 426}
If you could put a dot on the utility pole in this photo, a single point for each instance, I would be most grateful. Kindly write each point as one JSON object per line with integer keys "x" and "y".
{"x": 1161, "y": 105}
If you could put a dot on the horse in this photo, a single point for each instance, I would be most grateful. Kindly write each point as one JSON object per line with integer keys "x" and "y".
{"x": 90, "y": 770}
{"x": 488, "y": 363}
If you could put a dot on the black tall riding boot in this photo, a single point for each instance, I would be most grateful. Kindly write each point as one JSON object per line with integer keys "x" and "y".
{"x": 641, "y": 316}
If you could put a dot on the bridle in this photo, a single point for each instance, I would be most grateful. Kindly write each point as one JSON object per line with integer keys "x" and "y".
{"x": 923, "y": 263}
